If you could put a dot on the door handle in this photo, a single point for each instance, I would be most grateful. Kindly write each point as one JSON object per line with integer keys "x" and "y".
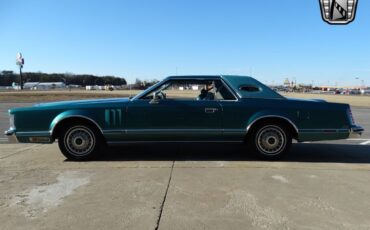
{"x": 210, "y": 110}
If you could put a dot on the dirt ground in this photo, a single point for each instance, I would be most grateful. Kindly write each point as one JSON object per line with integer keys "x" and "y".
{"x": 59, "y": 95}
{"x": 353, "y": 100}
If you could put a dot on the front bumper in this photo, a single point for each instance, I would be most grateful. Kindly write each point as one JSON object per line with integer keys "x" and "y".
{"x": 355, "y": 131}
{"x": 11, "y": 136}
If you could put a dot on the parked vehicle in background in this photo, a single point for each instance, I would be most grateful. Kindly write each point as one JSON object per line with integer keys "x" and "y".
{"x": 224, "y": 109}
{"x": 365, "y": 91}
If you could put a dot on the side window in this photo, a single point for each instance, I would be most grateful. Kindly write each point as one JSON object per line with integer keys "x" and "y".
{"x": 183, "y": 90}
{"x": 222, "y": 92}
{"x": 191, "y": 89}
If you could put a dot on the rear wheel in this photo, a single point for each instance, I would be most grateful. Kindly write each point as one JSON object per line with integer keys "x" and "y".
{"x": 79, "y": 141}
{"x": 270, "y": 140}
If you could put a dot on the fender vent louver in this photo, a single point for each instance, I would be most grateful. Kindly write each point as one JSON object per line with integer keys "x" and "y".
{"x": 113, "y": 117}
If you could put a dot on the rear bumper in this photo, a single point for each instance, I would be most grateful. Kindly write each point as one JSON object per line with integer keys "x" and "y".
{"x": 11, "y": 136}
{"x": 355, "y": 131}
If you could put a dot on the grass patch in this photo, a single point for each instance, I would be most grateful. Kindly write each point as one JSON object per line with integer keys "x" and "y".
{"x": 353, "y": 100}
{"x": 62, "y": 95}
{"x": 48, "y": 96}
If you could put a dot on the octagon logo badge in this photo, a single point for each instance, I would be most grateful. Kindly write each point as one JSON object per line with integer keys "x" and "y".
{"x": 338, "y": 12}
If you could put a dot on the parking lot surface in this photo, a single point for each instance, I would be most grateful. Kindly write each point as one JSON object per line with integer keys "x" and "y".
{"x": 321, "y": 185}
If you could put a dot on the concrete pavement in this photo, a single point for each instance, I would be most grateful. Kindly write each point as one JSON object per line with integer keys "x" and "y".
{"x": 321, "y": 185}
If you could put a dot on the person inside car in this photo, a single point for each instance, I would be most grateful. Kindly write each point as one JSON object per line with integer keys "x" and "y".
{"x": 205, "y": 93}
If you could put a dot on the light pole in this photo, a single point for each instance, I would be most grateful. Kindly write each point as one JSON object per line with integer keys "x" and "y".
{"x": 361, "y": 82}
{"x": 20, "y": 63}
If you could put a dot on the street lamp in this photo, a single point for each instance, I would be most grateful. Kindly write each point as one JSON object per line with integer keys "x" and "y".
{"x": 20, "y": 62}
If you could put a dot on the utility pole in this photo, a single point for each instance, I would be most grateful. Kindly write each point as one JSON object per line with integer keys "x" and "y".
{"x": 361, "y": 82}
{"x": 20, "y": 63}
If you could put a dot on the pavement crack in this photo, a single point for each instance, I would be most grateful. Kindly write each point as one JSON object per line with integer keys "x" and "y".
{"x": 164, "y": 198}
{"x": 19, "y": 151}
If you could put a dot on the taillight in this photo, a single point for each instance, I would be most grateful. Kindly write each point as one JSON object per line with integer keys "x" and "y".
{"x": 350, "y": 116}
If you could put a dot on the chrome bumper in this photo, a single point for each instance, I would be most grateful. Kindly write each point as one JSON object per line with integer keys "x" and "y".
{"x": 11, "y": 136}
{"x": 355, "y": 131}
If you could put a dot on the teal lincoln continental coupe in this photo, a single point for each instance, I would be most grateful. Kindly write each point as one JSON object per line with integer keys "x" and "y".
{"x": 185, "y": 109}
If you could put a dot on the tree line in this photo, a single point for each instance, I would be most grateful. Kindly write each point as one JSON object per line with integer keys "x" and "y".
{"x": 8, "y": 77}
{"x": 142, "y": 84}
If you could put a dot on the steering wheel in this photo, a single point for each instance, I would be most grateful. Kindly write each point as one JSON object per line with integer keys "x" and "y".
{"x": 160, "y": 95}
{"x": 163, "y": 95}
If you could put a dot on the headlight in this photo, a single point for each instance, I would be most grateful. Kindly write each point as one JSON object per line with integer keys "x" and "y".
{"x": 11, "y": 121}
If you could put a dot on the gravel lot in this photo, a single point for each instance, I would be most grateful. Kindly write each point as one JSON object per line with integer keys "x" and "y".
{"x": 321, "y": 185}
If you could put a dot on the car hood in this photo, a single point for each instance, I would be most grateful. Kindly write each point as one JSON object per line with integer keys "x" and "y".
{"x": 82, "y": 102}
{"x": 63, "y": 105}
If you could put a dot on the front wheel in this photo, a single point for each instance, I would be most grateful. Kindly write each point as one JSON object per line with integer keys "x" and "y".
{"x": 79, "y": 142}
{"x": 270, "y": 141}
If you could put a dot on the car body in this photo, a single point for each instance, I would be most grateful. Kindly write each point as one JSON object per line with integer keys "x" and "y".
{"x": 227, "y": 108}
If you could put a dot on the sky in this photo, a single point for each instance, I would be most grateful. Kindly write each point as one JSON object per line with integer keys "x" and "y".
{"x": 269, "y": 40}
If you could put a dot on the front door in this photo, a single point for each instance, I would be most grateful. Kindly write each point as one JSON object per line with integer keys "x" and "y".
{"x": 177, "y": 115}
{"x": 173, "y": 120}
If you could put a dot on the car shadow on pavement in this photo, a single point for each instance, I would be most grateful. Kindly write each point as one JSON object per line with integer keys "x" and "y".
{"x": 300, "y": 152}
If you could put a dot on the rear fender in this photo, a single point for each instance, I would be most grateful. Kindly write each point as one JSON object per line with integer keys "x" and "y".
{"x": 271, "y": 114}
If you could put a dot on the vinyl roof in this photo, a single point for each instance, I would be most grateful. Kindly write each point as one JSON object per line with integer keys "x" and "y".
{"x": 194, "y": 77}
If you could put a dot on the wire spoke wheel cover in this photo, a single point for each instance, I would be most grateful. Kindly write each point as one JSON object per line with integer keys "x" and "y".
{"x": 270, "y": 140}
{"x": 79, "y": 141}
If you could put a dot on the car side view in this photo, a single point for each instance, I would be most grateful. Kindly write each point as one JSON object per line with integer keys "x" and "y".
{"x": 220, "y": 108}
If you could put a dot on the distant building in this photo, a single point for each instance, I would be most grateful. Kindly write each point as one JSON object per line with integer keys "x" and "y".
{"x": 42, "y": 85}
{"x": 287, "y": 82}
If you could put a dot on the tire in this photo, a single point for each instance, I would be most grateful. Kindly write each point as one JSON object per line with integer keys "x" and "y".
{"x": 79, "y": 141}
{"x": 270, "y": 141}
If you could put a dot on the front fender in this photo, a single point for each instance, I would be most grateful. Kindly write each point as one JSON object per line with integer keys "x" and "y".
{"x": 72, "y": 113}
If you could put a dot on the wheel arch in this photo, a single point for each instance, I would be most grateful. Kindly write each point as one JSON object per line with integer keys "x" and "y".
{"x": 274, "y": 118}
{"x": 61, "y": 119}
